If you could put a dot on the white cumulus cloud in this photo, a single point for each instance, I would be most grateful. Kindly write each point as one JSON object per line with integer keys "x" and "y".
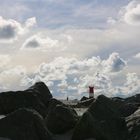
{"x": 137, "y": 56}
{"x": 132, "y": 13}
{"x": 10, "y": 28}
{"x": 10, "y": 79}
{"x": 4, "y": 60}
{"x": 39, "y": 42}
{"x": 73, "y": 76}
{"x": 30, "y": 22}
{"x": 114, "y": 63}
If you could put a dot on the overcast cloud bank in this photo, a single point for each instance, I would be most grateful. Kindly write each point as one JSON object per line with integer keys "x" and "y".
{"x": 72, "y": 56}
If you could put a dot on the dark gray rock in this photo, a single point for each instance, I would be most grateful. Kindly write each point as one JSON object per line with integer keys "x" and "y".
{"x": 24, "y": 124}
{"x": 127, "y": 109}
{"x": 84, "y": 98}
{"x": 133, "y": 99}
{"x": 4, "y": 138}
{"x": 36, "y": 97}
{"x": 11, "y": 101}
{"x": 61, "y": 118}
{"x": 85, "y": 103}
{"x": 133, "y": 124}
{"x": 102, "y": 121}
{"x": 127, "y": 106}
{"x": 41, "y": 91}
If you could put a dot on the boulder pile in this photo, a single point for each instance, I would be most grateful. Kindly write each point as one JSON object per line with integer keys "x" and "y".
{"x": 34, "y": 114}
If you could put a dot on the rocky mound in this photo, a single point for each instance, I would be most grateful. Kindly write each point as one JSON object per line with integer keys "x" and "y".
{"x": 127, "y": 106}
{"x": 84, "y": 98}
{"x": 85, "y": 103}
{"x": 24, "y": 124}
{"x": 102, "y": 121}
{"x": 36, "y": 97}
{"x": 61, "y": 118}
{"x": 41, "y": 91}
{"x": 33, "y": 114}
{"x": 133, "y": 124}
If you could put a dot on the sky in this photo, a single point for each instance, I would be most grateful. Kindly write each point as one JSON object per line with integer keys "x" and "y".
{"x": 70, "y": 45}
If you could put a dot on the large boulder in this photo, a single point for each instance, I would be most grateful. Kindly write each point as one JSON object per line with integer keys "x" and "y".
{"x": 85, "y": 103}
{"x": 61, "y": 118}
{"x": 1, "y": 138}
{"x": 42, "y": 91}
{"x": 24, "y": 124}
{"x": 84, "y": 98}
{"x": 133, "y": 124}
{"x": 127, "y": 106}
{"x": 101, "y": 121}
{"x": 133, "y": 99}
{"x": 36, "y": 97}
{"x": 127, "y": 109}
{"x": 11, "y": 101}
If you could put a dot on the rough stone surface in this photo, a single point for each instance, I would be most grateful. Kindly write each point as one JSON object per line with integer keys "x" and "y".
{"x": 42, "y": 91}
{"x": 24, "y": 124}
{"x": 36, "y": 97}
{"x": 11, "y": 101}
{"x": 102, "y": 121}
{"x": 61, "y": 118}
{"x": 84, "y": 98}
{"x": 85, "y": 103}
{"x": 133, "y": 124}
{"x": 127, "y": 106}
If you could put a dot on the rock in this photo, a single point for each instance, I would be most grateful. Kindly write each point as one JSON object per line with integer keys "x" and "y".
{"x": 83, "y": 129}
{"x": 24, "y": 124}
{"x": 42, "y": 91}
{"x": 127, "y": 109}
{"x": 4, "y": 138}
{"x": 133, "y": 99}
{"x": 126, "y": 106}
{"x": 61, "y": 118}
{"x": 133, "y": 124}
{"x": 101, "y": 121}
{"x": 65, "y": 136}
{"x": 85, "y": 103}
{"x": 84, "y": 98}
{"x": 36, "y": 97}
{"x": 91, "y": 139}
{"x": 11, "y": 101}
{"x": 52, "y": 104}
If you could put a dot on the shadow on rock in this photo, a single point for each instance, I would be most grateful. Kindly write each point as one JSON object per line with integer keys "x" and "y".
{"x": 24, "y": 124}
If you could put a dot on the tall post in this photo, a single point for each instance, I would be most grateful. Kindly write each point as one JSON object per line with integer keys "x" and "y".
{"x": 91, "y": 91}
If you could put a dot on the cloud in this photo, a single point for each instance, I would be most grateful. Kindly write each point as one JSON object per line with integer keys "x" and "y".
{"x": 114, "y": 63}
{"x": 63, "y": 86}
{"x": 69, "y": 58}
{"x": 73, "y": 76}
{"x": 32, "y": 42}
{"x": 132, "y": 13}
{"x": 4, "y": 60}
{"x": 39, "y": 42}
{"x": 111, "y": 21}
{"x": 63, "y": 75}
{"x": 130, "y": 87}
{"x": 30, "y": 22}
{"x": 137, "y": 56}
{"x": 10, "y": 29}
{"x": 10, "y": 79}
{"x": 101, "y": 81}
{"x": 80, "y": 43}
